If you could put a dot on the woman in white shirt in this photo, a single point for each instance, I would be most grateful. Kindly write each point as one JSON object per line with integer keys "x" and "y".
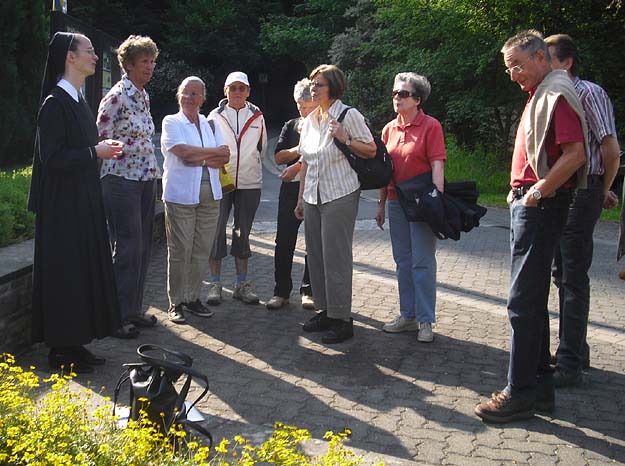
{"x": 328, "y": 200}
{"x": 191, "y": 194}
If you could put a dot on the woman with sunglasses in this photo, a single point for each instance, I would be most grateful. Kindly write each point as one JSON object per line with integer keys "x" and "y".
{"x": 415, "y": 143}
{"x": 74, "y": 295}
{"x": 328, "y": 200}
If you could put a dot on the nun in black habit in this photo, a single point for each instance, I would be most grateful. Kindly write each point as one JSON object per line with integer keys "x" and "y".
{"x": 74, "y": 295}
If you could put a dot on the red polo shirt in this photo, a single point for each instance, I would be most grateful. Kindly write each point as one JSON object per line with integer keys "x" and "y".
{"x": 564, "y": 127}
{"x": 413, "y": 148}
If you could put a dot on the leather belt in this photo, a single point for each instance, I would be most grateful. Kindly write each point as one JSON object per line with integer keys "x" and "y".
{"x": 519, "y": 192}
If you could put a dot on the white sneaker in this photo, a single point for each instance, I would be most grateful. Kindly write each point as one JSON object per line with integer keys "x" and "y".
{"x": 401, "y": 324}
{"x": 425, "y": 334}
{"x": 244, "y": 292}
{"x": 276, "y": 302}
{"x": 214, "y": 293}
{"x": 308, "y": 302}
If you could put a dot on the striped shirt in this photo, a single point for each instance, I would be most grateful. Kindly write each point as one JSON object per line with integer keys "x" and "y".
{"x": 600, "y": 119}
{"x": 329, "y": 174}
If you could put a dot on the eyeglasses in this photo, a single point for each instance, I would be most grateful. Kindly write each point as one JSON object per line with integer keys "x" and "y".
{"x": 237, "y": 88}
{"x": 518, "y": 68}
{"x": 315, "y": 84}
{"x": 402, "y": 94}
{"x": 191, "y": 95}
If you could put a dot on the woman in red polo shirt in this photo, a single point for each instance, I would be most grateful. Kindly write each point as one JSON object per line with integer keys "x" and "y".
{"x": 416, "y": 144}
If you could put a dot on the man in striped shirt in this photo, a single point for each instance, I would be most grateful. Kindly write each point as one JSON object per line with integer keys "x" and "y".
{"x": 574, "y": 256}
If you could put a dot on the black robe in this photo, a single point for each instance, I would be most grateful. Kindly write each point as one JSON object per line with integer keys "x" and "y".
{"x": 74, "y": 295}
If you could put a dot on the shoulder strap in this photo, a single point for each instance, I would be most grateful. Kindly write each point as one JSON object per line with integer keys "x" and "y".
{"x": 342, "y": 115}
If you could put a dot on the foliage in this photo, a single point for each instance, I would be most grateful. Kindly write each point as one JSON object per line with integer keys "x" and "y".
{"x": 17, "y": 223}
{"x": 59, "y": 430}
{"x": 23, "y": 31}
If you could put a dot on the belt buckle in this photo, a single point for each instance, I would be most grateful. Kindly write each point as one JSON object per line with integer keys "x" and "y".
{"x": 518, "y": 192}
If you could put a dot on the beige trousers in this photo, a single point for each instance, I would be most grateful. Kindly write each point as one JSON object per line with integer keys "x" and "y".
{"x": 190, "y": 232}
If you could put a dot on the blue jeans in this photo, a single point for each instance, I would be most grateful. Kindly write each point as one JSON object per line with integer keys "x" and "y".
{"x": 414, "y": 248}
{"x": 534, "y": 234}
{"x": 570, "y": 272}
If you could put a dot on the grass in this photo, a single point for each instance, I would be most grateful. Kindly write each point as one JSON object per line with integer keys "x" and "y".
{"x": 491, "y": 175}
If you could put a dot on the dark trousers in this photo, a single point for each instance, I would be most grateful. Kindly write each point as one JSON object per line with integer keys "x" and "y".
{"x": 572, "y": 261}
{"x": 129, "y": 208}
{"x": 286, "y": 238}
{"x": 534, "y": 234}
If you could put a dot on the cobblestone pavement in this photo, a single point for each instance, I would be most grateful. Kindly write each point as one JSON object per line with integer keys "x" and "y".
{"x": 405, "y": 402}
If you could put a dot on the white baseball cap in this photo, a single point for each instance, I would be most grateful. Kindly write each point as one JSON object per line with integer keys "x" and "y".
{"x": 237, "y": 76}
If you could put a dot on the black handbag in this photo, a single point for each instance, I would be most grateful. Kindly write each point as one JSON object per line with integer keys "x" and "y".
{"x": 372, "y": 173}
{"x": 152, "y": 388}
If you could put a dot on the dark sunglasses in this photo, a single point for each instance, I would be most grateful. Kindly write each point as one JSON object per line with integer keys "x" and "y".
{"x": 403, "y": 94}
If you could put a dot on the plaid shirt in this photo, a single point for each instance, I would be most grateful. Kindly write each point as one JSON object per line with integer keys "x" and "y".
{"x": 600, "y": 119}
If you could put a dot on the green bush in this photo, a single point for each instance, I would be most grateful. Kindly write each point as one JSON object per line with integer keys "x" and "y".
{"x": 16, "y": 223}
{"x": 481, "y": 166}
{"x": 59, "y": 429}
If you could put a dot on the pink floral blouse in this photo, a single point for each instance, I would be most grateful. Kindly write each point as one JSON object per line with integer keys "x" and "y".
{"x": 124, "y": 114}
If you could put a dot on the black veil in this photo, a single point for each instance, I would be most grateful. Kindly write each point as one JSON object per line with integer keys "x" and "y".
{"x": 55, "y": 67}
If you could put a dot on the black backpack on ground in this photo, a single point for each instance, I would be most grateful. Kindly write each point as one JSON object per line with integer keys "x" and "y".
{"x": 152, "y": 388}
{"x": 372, "y": 173}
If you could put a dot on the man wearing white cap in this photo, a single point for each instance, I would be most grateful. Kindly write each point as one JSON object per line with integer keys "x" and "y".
{"x": 243, "y": 127}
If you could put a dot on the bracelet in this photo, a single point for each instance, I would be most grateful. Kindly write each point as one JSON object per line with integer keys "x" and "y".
{"x": 381, "y": 201}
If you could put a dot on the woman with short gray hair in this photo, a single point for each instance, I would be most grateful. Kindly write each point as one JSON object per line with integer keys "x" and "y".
{"x": 193, "y": 154}
{"x": 288, "y": 225}
{"x": 415, "y": 143}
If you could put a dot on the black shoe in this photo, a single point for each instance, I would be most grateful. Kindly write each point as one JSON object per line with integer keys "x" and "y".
{"x": 126, "y": 332}
{"x": 144, "y": 321}
{"x": 88, "y": 357}
{"x": 318, "y": 323}
{"x": 68, "y": 361}
{"x": 196, "y": 307}
{"x": 563, "y": 378}
{"x": 503, "y": 407}
{"x": 545, "y": 394}
{"x": 176, "y": 315}
{"x": 339, "y": 332}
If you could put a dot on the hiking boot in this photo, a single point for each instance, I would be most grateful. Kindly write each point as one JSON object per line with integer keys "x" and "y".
{"x": 401, "y": 324}
{"x": 339, "y": 332}
{"x": 503, "y": 407}
{"x": 318, "y": 323}
{"x": 308, "y": 302}
{"x": 176, "y": 315}
{"x": 196, "y": 307}
{"x": 244, "y": 292}
{"x": 214, "y": 294}
{"x": 425, "y": 334}
{"x": 276, "y": 302}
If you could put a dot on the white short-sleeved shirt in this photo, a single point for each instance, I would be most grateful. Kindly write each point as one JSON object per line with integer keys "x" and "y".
{"x": 181, "y": 184}
{"x": 329, "y": 172}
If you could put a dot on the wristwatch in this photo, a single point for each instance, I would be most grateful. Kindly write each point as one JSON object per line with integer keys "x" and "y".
{"x": 536, "y": 194}
{"x": 348, "y": 142}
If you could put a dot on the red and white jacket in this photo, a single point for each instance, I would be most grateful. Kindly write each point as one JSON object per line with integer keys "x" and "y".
{"x": 245, "y": 134}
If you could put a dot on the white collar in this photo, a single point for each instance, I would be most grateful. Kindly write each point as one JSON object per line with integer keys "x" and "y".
{"x": 67, "y": 87}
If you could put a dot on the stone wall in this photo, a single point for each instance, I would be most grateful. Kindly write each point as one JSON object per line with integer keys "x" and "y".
{"x": 15, "y": 311}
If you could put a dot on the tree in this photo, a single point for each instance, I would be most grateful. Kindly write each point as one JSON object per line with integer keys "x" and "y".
{"x": 23, "y": 33}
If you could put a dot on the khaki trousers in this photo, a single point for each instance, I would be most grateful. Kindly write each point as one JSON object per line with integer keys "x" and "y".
{"x": 190, "y": 232}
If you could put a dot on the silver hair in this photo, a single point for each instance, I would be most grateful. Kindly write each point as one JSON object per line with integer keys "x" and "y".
{"x": 529, "y": 41}
{"x": 420, "y": 84}
{"x": 301, "y": 91}
{"x": 187, "y": 80}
